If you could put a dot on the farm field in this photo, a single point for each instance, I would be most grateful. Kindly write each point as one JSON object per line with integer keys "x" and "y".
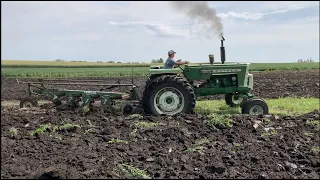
{"x": 93, "y": 69}
{"x": 215, "y": 142}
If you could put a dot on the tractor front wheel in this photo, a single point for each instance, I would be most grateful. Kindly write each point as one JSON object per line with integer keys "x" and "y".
{"x": 28, "y": 102}
{"x": 255, "y": 106}
{"x": 234, "y": 100}
{"x": 169, "y": 95}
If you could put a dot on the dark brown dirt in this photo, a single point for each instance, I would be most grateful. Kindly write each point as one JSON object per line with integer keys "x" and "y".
{"x": 290, "y": 150}
{"x": 239, "y": 152}
{"x": 272, "y": 84}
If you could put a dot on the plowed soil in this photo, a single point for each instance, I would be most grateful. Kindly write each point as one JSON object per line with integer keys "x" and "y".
{"x": 182, "y": 146}
{"x": 273, "y": 84}
{"x": 281, "y": 147}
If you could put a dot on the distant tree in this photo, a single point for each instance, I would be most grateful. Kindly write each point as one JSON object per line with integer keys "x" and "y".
{"x": 119, "y": 62}
{"x": 157, "y": 60}
{"x": 310, "y": 59}
{"x": 306, "y": 60}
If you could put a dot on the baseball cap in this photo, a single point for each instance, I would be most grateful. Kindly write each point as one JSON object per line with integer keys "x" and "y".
{"x": 171, "y": 52}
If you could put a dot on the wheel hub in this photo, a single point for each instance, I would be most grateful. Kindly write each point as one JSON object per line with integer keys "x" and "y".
{"x": 237, "y": 99}
{"x": 27, "y": 104}
{"x": 256, "y": 110}
{"x": 169, "y": 101}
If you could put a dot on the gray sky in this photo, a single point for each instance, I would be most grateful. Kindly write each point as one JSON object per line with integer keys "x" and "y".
{"x": 141, "y": 31}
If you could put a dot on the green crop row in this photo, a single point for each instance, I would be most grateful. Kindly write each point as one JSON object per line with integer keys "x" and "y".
{"x": 66, "y": 64}
{"x": 78, "y": 66}
{"x": 113, "y": 70}
{"x": 73, "y": 72}
{"x": 283, "y": 66}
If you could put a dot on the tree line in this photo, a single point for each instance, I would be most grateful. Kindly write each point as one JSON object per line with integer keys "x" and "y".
{"x": 306, "y": 60}
{"x": 152, "y": 61}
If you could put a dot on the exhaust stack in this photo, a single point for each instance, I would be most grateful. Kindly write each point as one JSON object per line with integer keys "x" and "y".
{"x": 222, "y": 51}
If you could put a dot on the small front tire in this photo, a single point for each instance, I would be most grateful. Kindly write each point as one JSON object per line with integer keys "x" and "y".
{"x": 255, "y": 107}
{"x": 234, "y": 100}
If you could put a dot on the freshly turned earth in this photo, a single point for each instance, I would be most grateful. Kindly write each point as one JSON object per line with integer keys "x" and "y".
{"x": 273, "y": 84}
{"x": 239, "y": 152}
{"x": 255, "y": 147}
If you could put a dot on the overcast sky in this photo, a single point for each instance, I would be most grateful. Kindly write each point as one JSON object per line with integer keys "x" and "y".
{"x": 141, "y": 31}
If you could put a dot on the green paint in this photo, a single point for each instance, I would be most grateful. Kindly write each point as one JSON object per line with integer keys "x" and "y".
{"x": 221, "y": 78}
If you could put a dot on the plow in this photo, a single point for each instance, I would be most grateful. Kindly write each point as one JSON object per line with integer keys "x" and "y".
{"x": 82, "y": 101}
{"x": 166, "y": 91}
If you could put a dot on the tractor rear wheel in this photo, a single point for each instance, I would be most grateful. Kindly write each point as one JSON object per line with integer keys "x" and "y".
{"x": 169, "y": 95}
{"x": 255, "y": 106}
{"x": 28, "y": 102}
{"x": 234, "y": 100}
{"x": 145, "y": 95}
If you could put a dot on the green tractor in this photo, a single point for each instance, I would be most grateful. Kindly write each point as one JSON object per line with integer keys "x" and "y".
{"x": 167, "y": 91}
{"x": 173, "y": 91}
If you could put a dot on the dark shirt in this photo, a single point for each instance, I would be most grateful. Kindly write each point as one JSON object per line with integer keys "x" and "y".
{"x": 169, "y": 63}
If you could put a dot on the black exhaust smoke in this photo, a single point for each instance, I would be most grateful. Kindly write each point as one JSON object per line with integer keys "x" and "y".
{"x": 222, "y": 51}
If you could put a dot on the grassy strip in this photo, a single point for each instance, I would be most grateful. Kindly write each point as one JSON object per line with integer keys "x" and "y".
{"x": 220, "y": 114}
{"x": 282, "y": 106}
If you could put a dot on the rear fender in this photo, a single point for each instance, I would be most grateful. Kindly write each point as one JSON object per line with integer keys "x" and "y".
{"x": 165, "y": 71}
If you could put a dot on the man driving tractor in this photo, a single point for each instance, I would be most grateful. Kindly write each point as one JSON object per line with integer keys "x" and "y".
{"x": 170, "y": 62}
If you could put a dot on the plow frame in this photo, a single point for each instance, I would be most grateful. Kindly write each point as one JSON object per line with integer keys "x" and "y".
{"x": 38, "y": 89}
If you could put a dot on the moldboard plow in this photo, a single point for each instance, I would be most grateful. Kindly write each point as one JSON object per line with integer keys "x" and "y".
{"x": 82, "y": 101}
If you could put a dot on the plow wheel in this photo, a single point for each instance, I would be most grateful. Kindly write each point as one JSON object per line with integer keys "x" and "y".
{"x": 169, "y": 95}
{"x": 57, "y": 102}
{"x": 234, "y": 100}
{"x": 255, "y": 106}
{"x": 76, "y": 103}
{"x": 28, "y": 102}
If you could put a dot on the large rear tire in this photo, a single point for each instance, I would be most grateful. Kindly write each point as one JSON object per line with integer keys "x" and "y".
{"x": 169, "y": 95}
{"x": 145, "y": 94}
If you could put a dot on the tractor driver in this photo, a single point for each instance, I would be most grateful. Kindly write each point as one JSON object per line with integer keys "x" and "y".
{"x": 170, "y": 62}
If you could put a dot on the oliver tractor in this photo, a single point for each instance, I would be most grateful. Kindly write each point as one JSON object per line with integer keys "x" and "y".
{"x": 172, "y": 91}
{"x": 167, "y": 91}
